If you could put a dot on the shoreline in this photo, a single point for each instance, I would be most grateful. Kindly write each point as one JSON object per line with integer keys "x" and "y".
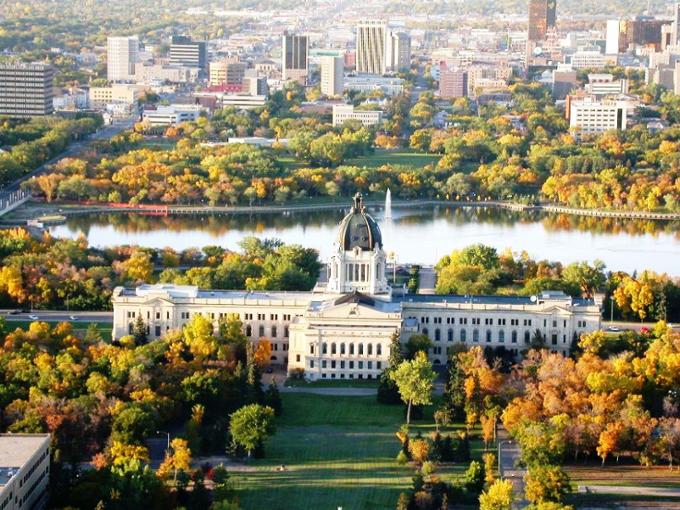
{"x": 57, "y": 212}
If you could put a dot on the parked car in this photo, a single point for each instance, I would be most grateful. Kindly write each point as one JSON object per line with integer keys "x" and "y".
{"x": 14, "y": 312}
{"x": 613, "y": 328}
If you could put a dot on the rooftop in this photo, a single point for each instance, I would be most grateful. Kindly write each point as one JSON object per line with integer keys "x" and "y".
{"x": 15, "y": 451}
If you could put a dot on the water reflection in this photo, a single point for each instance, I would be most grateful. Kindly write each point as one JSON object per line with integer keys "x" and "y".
{"x": 416, "y": 234}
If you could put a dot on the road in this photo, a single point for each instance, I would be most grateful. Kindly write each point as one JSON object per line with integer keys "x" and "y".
{"x": 103, "y": 134}
{"x": 508, "y": 466}
{"x": 59, "y": 316}
{"x": 630, "y": 490}
{"x": 427, "y": 280}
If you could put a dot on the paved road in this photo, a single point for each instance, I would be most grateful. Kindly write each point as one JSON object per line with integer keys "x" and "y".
{"x": 59, "y": 316}
{"x": 428, "y": 280}
{"x": 508, "y": 467}
{"x": 630, "y": 490}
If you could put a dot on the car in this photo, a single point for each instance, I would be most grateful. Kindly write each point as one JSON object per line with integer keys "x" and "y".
{"x": 73, "y": 317}
{"x": 613, "y": 328}
{"x": 33, "y": 317}
{"x": 14, "y": 312}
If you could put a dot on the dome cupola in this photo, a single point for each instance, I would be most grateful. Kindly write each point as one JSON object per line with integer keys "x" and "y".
{"x": 358, "y": 229}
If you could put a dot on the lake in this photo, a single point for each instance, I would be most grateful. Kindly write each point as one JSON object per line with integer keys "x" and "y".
{"x": 420, "y": 235}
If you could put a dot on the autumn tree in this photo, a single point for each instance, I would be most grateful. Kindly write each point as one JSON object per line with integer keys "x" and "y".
{"x": 498, "y": 497}
{"x": 414, "y": 378}
{"x": 546, "y": 483}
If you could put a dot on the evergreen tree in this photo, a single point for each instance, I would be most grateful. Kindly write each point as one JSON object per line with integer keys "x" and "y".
{"x": 272, "y": 398}
{"x": 253, "y": 376}
{"x": 139, "y": 331}
{"x": 388, "y": 393}
{"x": 454, "y": 392}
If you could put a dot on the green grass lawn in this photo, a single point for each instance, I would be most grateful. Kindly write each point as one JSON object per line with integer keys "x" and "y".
{"x": 375, "y": 160}
{"x": 333, "y": 383}
{"x": 338, "y": 451}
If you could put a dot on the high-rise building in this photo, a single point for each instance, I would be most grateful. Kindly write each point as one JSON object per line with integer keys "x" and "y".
{"x": 24, "y": 470}
{"x": 294, "y": 57}
{"x": 613, "y": 37}
{"x": 332, "y": 77}
{"x": 371, "y": 47}
{"x": 26, "y": 89}
{"x": 398, "y": 51}
{"x": 188, "y": 53}
{"x": 676, "y": 24}
{"x": 227, "y": 72}
{"x": 121, "y": 56}
{"x": 542, "y": 17}
{"x": 453, "y": 83}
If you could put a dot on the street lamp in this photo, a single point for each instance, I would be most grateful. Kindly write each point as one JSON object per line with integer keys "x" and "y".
{"x": 167, "y": 434}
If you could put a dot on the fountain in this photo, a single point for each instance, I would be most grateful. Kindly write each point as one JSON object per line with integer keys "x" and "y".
{"x": 388, "y": 205}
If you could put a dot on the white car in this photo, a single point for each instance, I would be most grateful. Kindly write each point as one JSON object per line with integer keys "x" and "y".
{"x": 33, "y": 317}
{"x": 613, "y": 328}
{"x": 73, "y": 317}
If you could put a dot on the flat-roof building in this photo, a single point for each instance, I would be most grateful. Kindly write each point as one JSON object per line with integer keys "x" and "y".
{"x": 24, "y": 471}
{"x": 26, "y": 89}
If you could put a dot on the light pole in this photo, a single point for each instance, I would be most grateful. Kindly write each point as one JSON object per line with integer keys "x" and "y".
{"x": 167, "y": 434}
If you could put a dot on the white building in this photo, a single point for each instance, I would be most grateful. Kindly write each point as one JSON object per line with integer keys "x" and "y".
{"x": 121, "y": 93}
{"x": 604, "y": 84}
{"x": 587, "y": 115}
{"x": 332, "y": 75}
{"x": 345, "y": 112}
{"x": 343, "y": 328}
{"x": 366, "y": 83}
{"x": 591, "y": 58}
{"x": 24, "y": 470}
{"x": 121, "y": 56}
{"x": 371, "y": 47}
{"x": 172, "y": 115}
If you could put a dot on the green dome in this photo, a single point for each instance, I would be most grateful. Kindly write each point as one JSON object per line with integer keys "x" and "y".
{"x": 358, "y": 229}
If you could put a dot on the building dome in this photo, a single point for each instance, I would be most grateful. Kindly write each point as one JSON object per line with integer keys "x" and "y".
{"x": 358, "y": 229}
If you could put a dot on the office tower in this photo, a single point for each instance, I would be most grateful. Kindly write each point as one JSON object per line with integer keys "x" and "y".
{"x": 227, "y": 72}
{"x": 26, "y": 89}
{"x": 676, "y": 24}
{"x": 121, "y": 56}
{"x": 254, "y": 84}
{"x": 188, "y": 53}
{"x": 453, "y": 83}
{"x": 332, "y": 77}
{"x": 399, "y": 51}
{"x": 294, "y": 61}
{"x": 371, "y": 47}
{"x": 542, "y": 17}
{"x": 613, "y": 37}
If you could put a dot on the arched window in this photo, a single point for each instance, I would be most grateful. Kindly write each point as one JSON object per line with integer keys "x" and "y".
{"x": 324, "y": 348}
{"x": 361, "y": 349}
{"x": 342, "y": 348}
{"x": 501, "y": 336}
{"x": 527, "y": 337}
{"x": 425, "y": 331}
{"x": 369, "y": 350}
{"x": 274, "y": 332}
{"x": 513, "y": 336}
{"x": 351, "y": 349}
{"x": 475, "y": 335}
{"x": 249, "y": 330}
{"x": 334, "y": 349}
{"x": 261, "y": 331}
{"x": 437, "y": 335}
{"x": 488, "y": 336}
{"x": 449, "y": 335}
{"x": 463, "y": 335}
{"x": 378, "y": 350}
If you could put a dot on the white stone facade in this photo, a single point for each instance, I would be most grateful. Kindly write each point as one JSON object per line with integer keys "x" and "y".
{"x": 343, "y": 328}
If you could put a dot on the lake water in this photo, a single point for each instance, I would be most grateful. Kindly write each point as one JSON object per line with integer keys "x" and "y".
{"x": 421, "y": 235}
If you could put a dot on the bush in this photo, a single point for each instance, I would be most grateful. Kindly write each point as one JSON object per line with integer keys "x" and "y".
{"x": 402, "y": 458}
{"x": 297, "y": 374}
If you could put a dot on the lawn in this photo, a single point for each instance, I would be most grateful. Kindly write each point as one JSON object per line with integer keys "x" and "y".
{"x": 338, "y": 452}
{"x": 375, "y": 160}
{"x": 625, "y": 475}
{"x": 333, "y": 383}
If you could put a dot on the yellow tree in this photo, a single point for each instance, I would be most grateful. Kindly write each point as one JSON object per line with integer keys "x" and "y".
{"x": 263, "y": 352}
{"x": 498, "y": 497}
{"x": 177, "y": 459}
{"x": 609, "y": 440}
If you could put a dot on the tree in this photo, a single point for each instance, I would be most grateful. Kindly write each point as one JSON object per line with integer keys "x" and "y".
{"x": 414, "y": 379}
{"x": 417, "y": 343}
{"x": 490, "y": 467}
{"x": 251, "y": 425}
{"x": 588, "y": 279}
{"x": 419, "y": 450}
{"x": 498, "y": 497}
{"x": 139, "y": 331}
{"x": 546, "y": 483}
{"x": 178, "y": 458}
{"x": 132, "y": 425}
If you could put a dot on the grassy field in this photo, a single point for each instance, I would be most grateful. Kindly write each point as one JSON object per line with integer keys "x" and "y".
{"x": 627, "y": 475}
{"x": 333, "y": 383}
{"x": 338, "y": 451}
{"x": 375, "y": 160}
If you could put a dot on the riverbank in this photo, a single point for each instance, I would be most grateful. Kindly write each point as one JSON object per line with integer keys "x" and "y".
{"x": 34, "y": 211}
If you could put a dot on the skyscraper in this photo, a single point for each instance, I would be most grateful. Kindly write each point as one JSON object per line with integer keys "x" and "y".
{"x": 26, "y": 89}
{"x": 121, "y": 56}
{"x": 676, "y": 24}
{"x": 188, "y": 53}
{"x": 399, "y": 51}
{"x": 542, "y": 16}
{"x": 332, "y": 75}
{"x": 371, "y": 47}
{"x": 294, "y": 57}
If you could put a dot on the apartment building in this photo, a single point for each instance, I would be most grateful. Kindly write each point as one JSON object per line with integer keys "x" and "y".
{"x": 24, "y": 471}
{"x": 121, "y": 56}
{"x": 26, "y": 89}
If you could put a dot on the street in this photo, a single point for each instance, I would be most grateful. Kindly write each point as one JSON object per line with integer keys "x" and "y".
{"x": 59, "y": 316}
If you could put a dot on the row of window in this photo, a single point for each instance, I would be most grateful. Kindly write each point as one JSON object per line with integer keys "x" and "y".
{"x": 475, "y": 335}
{"x": 342, "y": 364}
{"x": 475, "y": 321}
{"x": 213, "y": 315}
{"x": 350, "y": 350}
